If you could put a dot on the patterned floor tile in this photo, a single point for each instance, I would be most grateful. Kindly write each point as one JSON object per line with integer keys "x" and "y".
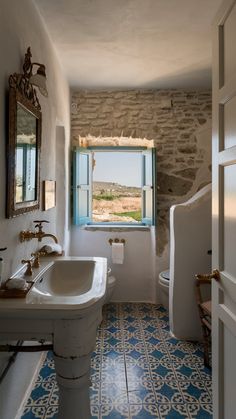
{"x": 204, "y": 372}
{"x": 113, "y": 375}
{"x": 135, "y": 356}
{"x": 54, "y": 397}
{"x": 138, "y": 370}
{"x": 162, "y": 374}
{"x": 35, "y": 412}
{"x": 141, "y": 396}
{"x": 114, "y": 412}
{"x": 114, "y": 396}
{"x": 158, "y": 353}
{"x": 51, "y": 413}
{"x": 168, "y": 392}
{"x": 114, "y": 391}
{"x": 143, "y": 382}
{"x": 194, "y": 392}
{"x": 183, "y": 372}
{"x": 40, "y": 394}
{"x": 95, "y": 393}
{"x": 46, "y": 371}
{"x": 197, "y": 411}
{"x": 95, "y": 411}
{"x": 146, "y": 411}
{"x": 95, "y": 359}
{"x": 114, "y": 345}
{"x": 112, "y": 359}
{"x": 173, "y": 411}
{"x": 178, "y": 360}
{"x": 137, "y": 373}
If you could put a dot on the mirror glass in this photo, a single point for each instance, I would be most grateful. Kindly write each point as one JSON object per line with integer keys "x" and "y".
{"x": 25, "y": 155}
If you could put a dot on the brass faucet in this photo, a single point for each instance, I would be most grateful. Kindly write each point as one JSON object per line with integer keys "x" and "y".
{"x": 29, "y": 235}
{"x": 28, "y": 271}
{"x": 36, "y": 262}
{"x": 36, "y": 256}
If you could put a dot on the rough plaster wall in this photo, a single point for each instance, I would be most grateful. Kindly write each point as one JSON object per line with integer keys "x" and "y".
{"x": 178, "y": 121}
{"x": 21, "y": 27}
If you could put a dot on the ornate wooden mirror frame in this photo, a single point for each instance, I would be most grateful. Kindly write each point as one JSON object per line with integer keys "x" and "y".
{"x": 24, "y": 143}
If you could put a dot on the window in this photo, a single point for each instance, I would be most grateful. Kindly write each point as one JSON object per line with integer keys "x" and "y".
{"x": 113, "y": 186}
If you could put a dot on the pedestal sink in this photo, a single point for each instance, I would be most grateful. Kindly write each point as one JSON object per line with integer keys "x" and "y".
{"x": 63, "y": 306}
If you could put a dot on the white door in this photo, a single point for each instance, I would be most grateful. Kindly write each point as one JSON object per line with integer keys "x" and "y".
{"x": 224, "y": 212}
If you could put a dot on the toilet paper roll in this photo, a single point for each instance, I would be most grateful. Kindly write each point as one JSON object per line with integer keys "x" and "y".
{"x": 117, "y": 253}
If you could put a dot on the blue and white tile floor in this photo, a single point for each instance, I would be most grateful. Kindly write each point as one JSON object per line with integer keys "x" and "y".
{"x": 138, "y": 371}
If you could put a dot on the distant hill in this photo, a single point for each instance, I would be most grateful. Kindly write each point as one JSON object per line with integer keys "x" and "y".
{"x": 115, "y": 189}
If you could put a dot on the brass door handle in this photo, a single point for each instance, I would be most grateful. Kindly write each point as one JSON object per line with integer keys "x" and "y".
{"x": 215, "y": 275}
{"x": 206, "y": 277}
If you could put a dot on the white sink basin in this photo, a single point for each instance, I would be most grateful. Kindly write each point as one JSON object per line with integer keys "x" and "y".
{"x": 69, "y": 281}
{"x": 64, "y": 283}
{"x": 66, "y": 278}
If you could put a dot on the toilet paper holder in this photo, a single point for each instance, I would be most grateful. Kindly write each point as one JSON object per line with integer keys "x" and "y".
{"x": 116, "y": 240}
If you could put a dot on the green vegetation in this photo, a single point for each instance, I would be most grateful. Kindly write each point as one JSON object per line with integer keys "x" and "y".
{"x": 136, "y": 215}
{"x": 105, "y": 197}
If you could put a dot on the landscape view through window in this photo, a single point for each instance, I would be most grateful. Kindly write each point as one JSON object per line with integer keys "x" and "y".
{"x": 117, "y": 187}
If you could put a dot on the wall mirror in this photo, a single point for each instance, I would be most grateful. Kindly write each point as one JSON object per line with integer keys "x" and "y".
{"x": 23, "y": 148}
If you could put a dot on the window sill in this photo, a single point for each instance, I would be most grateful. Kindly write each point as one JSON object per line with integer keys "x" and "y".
{"x": 115, "y": 228}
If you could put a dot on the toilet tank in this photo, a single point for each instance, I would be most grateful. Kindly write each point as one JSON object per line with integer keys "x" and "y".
{"x": 190, "y": 242}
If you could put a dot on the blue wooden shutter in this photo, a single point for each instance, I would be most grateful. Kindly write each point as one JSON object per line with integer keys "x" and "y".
{"x": 82, "y": 186}
{"x": 148, "y": 185}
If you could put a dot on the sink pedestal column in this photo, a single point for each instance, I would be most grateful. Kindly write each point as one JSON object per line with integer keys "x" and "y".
{"x": 74, "y": 400}
{"x": 72, "y": 363}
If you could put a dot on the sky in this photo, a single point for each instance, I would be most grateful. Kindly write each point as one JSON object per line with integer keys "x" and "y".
{"x": 119, "y": 167}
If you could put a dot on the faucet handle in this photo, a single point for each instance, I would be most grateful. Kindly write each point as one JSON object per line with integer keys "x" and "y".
{"x": 39, "y": 224}
{"x": 40, "y": 221}
{"x": 28, "y": 271}
{"x": 36, "y": 263}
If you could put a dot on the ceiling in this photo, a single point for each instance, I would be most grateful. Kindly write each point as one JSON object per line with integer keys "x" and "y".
{"x": 132, "y": 43}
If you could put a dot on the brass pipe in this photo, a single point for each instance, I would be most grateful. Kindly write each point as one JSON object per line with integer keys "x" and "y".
{"x": 29, "y": 235}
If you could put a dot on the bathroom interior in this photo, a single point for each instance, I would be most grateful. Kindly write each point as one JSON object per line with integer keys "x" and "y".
{"x": 155, "y": 276}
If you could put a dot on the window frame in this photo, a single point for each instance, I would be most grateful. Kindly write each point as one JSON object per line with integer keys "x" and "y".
{"x": 76, "y": 186}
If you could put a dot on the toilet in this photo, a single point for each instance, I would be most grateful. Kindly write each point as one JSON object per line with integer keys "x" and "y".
{"x": 111, "y": 282}
{"x": 164, "y": 282}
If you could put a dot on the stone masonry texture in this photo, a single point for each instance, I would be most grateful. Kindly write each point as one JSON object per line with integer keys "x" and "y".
{"x": 172, "y": 119}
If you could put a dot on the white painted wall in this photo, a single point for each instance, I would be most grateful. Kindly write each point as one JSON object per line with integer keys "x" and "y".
{"x": 190, "y": 230}
{"x": 20, "y": 27}
{"x": 136, "y": 277}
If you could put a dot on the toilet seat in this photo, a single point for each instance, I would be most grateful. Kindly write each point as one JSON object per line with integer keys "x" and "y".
{"x": 164, "y": 278}
{"x": 164, "y": 285}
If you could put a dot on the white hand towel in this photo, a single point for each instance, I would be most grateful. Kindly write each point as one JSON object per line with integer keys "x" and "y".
{"x": 52, "y": 247}
{"x": 117, "y": 253}
{"x": 16, "y": 283}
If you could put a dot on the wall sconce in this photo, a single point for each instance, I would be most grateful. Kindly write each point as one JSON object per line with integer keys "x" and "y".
{"x": 37, "y": 79}
{"x": 24, "y": 82}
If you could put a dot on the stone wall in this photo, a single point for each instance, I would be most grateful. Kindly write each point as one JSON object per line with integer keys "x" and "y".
{"x": 177, "y": 121}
